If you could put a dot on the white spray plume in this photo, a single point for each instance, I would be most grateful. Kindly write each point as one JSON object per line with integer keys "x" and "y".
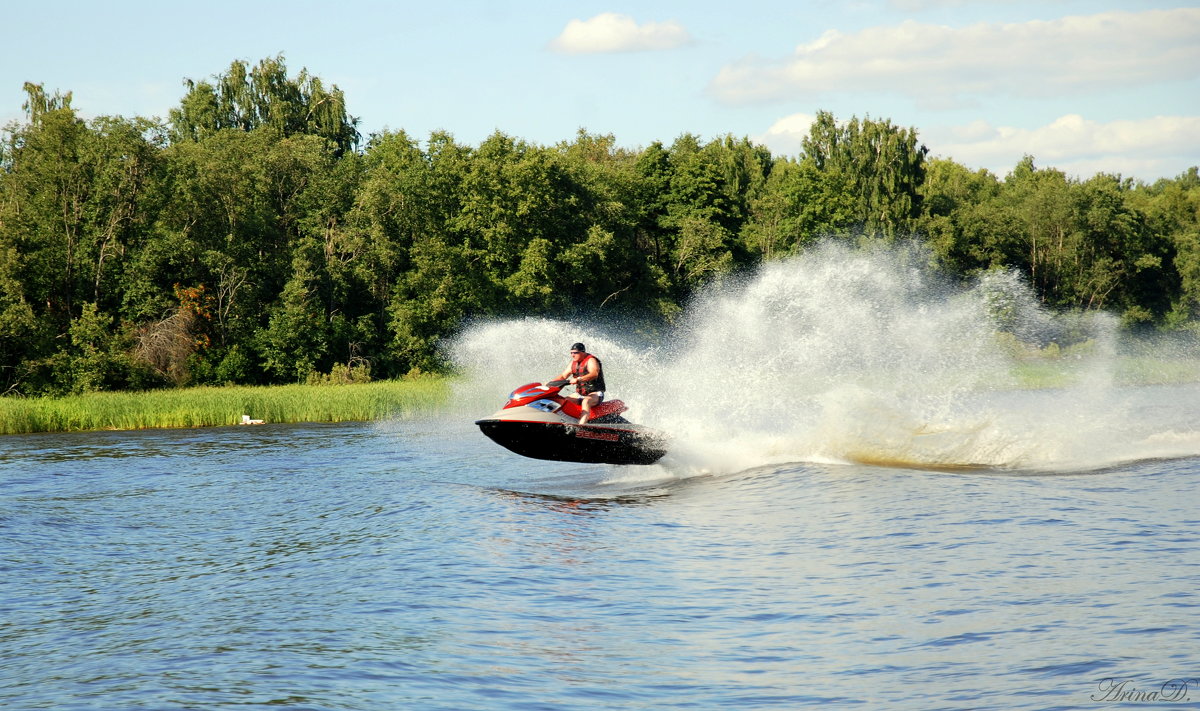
{"x": 853, "y": 355}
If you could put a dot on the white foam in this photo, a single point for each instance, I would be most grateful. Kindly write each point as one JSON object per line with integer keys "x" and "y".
{"x": 845, "y": 355}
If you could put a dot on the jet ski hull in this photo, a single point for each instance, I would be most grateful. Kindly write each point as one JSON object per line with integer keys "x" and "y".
{"x": 540, "y": 423}
{"x": 565, "y": 442}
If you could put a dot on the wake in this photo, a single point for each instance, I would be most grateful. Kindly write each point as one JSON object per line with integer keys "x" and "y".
{"x": 867, "y": 357}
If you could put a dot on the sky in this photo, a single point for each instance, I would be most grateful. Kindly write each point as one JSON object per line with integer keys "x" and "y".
{"x": 1095, "y": 86}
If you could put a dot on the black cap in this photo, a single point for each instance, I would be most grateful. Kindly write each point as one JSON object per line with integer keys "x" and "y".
{"x": 578, "y": 347}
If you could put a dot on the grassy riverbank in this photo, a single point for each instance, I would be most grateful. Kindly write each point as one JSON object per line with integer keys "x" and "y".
{"x": 211, "y": 407}
{"x": 1063, "y": 373}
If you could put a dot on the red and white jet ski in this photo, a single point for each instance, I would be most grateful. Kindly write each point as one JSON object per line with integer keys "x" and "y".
{"x": 538, "y": 422}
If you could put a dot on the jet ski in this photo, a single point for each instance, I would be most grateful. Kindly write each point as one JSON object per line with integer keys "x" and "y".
{"x": 540, "y": 423}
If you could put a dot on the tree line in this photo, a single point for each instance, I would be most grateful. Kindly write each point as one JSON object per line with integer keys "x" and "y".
{"x": 255, "y": 236}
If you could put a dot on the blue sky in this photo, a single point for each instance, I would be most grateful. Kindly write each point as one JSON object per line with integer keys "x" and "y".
{"x": 1105, "y": 85}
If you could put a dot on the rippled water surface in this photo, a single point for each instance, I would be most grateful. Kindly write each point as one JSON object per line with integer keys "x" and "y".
{"x": 417, "y": 565}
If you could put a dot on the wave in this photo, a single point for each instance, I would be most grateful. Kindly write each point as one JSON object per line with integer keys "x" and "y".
{"x": 871, "y": 356}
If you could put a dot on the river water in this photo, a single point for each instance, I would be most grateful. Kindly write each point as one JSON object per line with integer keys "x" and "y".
{"x": 416, "y": 565}
{"x": 884, "y": 526}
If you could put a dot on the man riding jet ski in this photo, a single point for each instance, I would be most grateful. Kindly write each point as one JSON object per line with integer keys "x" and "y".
{"x": 539, "y": 422}
{"x": 587, "y": 375}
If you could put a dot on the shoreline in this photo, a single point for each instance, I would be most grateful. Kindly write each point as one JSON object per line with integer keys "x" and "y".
{"x": 240, "y": 405}
{"x": 223, "y": 406}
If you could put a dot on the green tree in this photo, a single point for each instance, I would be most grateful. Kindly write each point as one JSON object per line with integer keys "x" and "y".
{"x": 222, "y": 229}
{"x": 431, "y": 301}
{"x": 958, "y": 204}
{"x": 75, "y": 200}
{"x": 709, "y": 190}
{"x": 243, "y": 203}
{"x": 263, "y": 96}
{"x": 19, "y": 328}
{"x": 296, "y": 339}
{"x": 95, "y": 358}
{"x": 799, "y": 205}
{"x": 410, "y": 260}
{"x": 1172, "y": 209}
{"x": 882, "y": 163}
{"x": 612, "y": 264}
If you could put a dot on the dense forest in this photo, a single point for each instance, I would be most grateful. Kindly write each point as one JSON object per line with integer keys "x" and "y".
{"x": 254, "y": 236}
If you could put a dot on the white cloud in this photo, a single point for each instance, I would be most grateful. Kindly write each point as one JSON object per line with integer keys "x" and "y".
{"x": 612, "y": 32}
{"x": 784, "y": 136}
{"x": 1147, "y": 149}
{"x": 1162, "y": 146}
{"x": 942, "y": 65}
{"x": 922, "y": 5}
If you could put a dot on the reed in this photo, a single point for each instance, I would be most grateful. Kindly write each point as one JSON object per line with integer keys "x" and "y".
{"x": 212, "y": 407}
{"x": 1123, "y": 371}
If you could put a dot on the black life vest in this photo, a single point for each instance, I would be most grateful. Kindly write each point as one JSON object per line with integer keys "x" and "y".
{"x": 580, "y": 369}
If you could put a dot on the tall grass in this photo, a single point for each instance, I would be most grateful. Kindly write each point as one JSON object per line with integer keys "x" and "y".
{"x": 209, "y": 407}
{"x": 1062, "y": 372}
